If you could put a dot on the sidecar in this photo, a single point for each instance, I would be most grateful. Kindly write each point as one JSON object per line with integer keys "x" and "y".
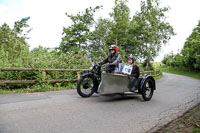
{"x": 119, "y": 84}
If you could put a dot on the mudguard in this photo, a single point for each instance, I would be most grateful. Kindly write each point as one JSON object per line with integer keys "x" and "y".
{"x": 83, "y": 73}
{"x": 144, "y": 79}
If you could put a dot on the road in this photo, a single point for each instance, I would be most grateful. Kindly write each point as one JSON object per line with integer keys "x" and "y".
{"x": 66, "y": 112}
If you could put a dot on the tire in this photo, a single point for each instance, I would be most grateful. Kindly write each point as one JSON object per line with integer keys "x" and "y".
{"x": 85, "y": 86}
{"x": 148, "y": 89}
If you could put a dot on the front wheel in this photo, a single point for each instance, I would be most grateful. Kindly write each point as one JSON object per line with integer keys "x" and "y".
{"x": 85, "y": 86}
{"x": 148, "y": 89}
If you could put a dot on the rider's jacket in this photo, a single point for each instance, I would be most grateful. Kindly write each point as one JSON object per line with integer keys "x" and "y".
{"x": 113, "y": 61}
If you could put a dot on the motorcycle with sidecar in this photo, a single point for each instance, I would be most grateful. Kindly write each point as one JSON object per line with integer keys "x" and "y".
{"x": 96, "y": 80}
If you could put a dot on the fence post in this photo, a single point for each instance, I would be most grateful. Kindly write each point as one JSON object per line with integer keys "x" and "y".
{"x": 44, "y": 75}
{"x": 78, "y": 75}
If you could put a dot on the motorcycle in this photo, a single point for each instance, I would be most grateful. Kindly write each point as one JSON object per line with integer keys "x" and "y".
{"x": 96, "y": 80}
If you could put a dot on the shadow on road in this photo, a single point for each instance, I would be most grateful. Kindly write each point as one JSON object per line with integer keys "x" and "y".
{"x": 117, "y": 97}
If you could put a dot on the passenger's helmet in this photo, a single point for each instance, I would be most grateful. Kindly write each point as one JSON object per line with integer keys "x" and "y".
{"x": 113, "y": 47}
{"x": 131, "y": 57}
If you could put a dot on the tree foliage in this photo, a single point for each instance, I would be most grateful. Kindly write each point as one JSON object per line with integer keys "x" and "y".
{"x": 99, "y": 48}
{"x": 13, "y": 41}
{"x": 142, "y": 35}
{"x": 120, "y": 24}
{"x": 151, "y": 29}
{"x": 191, "y": 50}
{"x": 77, "y": 36}
{"x": 189, "y": 56}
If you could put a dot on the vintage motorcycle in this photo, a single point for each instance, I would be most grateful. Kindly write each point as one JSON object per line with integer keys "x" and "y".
{"x": 96, "y": 80}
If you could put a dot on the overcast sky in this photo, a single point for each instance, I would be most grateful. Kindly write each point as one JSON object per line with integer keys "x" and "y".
{"x": 48, "y": 18}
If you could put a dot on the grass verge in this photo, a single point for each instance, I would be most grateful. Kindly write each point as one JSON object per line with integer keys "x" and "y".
{"x": 192, "y": 74}
{"x": 158, "y": 77}
{"x": 188, "y": 123}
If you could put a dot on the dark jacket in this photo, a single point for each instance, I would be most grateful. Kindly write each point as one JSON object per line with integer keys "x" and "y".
{"x": 113, "y": 61}
{"x": 135, "y": 71}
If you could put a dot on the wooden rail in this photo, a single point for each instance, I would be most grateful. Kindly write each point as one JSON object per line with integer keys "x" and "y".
{"x": 43, "y": 75}
{"x": 38, "y": 69}
{"x": 34, "y": 81}
{"x": 152, "y": 73}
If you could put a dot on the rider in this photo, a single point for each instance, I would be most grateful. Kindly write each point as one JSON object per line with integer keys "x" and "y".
{"x": 135, "y": 73}
{"x": 114, "y": 58}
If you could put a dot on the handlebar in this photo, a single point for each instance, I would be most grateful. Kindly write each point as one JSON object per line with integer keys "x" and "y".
{"x": 103, "y": 67}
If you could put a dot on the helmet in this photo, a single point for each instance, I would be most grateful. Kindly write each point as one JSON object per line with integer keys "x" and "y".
{"x": 113, "y": 47}
{"x": 131, "y": 57}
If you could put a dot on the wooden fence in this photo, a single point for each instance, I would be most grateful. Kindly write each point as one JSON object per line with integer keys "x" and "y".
{"x": 152, "y": 73}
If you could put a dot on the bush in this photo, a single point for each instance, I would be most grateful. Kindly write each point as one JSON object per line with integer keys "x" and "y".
{"x": 41, "y": 58}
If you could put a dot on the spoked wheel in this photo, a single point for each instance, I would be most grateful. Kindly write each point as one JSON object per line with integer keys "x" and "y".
{"x": 148, "y": 89}
{"x": 85, "y": 86}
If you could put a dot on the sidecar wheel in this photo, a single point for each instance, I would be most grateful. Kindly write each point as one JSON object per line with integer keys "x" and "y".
{"x": 85, "y": 86}
{"x": 148, "y": 89}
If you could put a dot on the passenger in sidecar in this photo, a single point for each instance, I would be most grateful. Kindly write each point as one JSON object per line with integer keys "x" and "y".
{"x": 132, "y": 70}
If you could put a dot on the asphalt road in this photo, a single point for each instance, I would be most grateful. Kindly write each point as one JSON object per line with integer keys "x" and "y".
{"x": 66, "y": 112}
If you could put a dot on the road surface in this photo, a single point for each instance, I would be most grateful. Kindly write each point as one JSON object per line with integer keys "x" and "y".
{"x": 66, "y": 112}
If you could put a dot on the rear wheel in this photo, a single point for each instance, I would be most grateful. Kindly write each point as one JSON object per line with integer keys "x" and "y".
{"x": 85, "y": 86}
{"x": 148, "y": 89}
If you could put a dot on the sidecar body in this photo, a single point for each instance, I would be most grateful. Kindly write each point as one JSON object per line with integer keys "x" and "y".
{"x": 119, "y": 84}
{"x": 113, "y": 83}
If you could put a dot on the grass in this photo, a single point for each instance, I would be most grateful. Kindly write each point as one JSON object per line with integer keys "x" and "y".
{"x": 158, "y": 77}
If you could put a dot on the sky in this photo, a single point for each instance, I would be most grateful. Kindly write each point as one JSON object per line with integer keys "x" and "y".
{"x": 47, "y": 18}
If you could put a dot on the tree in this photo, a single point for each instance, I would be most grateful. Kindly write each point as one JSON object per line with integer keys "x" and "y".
{"x": 12, "y": 41}
{"x": 112, "y": 31}
{"x": 98, "y": 47}
{"x": 20, "y": 27}
{"x": 151, "y": 28}
{"x": 77, "y": 36}
{"x": 120, "y": 25}
{"x": 191, "y": 50}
